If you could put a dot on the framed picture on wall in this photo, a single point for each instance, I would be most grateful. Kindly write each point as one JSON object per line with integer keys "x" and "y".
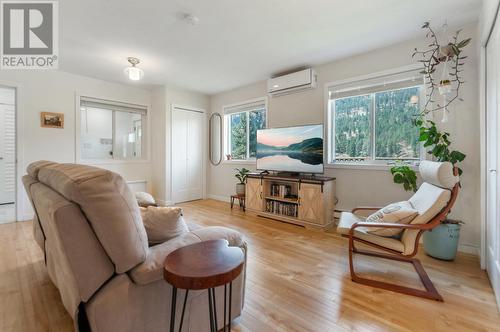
{"x": 52, "y": 120}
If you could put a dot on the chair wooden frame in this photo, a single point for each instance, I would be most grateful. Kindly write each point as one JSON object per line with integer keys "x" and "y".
{"x": 431, "y": 291}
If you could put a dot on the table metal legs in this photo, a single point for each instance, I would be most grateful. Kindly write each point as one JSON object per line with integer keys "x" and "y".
{"x": 212, "y": 309}
{"x": 172, "y": 309}
{"x": 227, "y": 321}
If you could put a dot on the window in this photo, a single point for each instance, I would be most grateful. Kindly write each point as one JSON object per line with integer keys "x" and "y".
{"x": 242, "y": 122}
{"x": 373, "y": 124}
{"x": 111, "y": 131}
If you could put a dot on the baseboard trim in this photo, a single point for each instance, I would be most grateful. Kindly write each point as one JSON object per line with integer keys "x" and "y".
{"x": 219, "y": 198}
{"x": 164, "y": 203}
{"x": 26, "y": 217}
{"x": 469, "y": 249}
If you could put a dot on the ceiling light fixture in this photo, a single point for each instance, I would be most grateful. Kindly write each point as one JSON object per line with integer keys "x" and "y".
{"x": 134, "y": 73}
{"x": 191, "y": 19}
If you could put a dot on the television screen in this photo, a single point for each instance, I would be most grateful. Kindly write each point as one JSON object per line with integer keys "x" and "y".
{"x": 292, "y": 149}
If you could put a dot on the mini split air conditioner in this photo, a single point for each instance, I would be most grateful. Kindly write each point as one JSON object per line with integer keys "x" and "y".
{"x": 291, "y": 83}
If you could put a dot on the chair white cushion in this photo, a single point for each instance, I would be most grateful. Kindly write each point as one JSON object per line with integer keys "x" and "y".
{"x": 397, "y": 213}
{"x": 347, "y": 219}
{"x": 163, "y": 223}
{"x": 438, "y": 173}
{"x": 429, "y": 200}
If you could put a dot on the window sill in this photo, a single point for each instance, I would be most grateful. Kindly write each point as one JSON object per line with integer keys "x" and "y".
{"x": 370, "y": 167}
{"x": 240, "y": 162}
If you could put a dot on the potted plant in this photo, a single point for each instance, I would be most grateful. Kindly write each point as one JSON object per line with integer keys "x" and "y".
{"x": 241, "y": 175}
{"x": 442, "y": 241}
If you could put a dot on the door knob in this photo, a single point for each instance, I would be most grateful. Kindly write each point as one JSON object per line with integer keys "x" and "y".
{"x": 493, "y": 170}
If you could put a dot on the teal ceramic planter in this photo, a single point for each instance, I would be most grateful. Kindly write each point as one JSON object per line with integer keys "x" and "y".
{"x": 442, "y": 241}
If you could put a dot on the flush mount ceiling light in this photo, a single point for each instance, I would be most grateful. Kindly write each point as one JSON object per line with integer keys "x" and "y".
{"x": 191, "y": 19}
{"x": 134, "y": 73}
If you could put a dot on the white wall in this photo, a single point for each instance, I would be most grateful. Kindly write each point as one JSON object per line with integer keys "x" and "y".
{"x": 55, "y": 91}
{"x": 162, "y": 99}
{"x": 371, "y": 187}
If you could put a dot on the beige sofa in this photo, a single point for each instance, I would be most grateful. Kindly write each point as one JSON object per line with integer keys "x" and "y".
{"x": 88, "y": 224}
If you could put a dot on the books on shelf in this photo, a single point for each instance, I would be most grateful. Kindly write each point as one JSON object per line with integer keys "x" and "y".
{"x": 281, "y": 190}
{"x": 287, "y": 209}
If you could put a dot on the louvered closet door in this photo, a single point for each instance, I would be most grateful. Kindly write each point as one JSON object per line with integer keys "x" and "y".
{"x": 7, "y": 154}
{"x": 187, "y": 155}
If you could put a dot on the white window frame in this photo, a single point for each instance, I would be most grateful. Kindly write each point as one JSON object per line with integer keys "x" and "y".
{"x": 227, "y": 127}
{"x": 146, "y": 148}
{"x": 375, "y": 164}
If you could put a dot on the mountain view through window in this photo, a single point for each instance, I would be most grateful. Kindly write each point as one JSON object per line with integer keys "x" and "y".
{"x": 377, "y": 126}
{"x": 243, "y": 133}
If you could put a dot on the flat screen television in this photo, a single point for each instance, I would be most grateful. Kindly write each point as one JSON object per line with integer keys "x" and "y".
{"x": 291, "y": 149}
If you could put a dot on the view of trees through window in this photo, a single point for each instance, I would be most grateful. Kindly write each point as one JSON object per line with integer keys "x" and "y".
{"x": 396, "y": 138}
{"x": 240, "y": 125}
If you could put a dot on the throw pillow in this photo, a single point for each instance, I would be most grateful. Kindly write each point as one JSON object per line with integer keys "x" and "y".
{"x": 163, "y": 223}
{"x": 397, "y": 213}
{"x": 145, "y": 199}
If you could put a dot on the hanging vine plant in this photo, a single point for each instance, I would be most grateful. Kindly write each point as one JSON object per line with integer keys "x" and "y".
{"x": 437, "y": 143}
{"x": 434, "y": 56}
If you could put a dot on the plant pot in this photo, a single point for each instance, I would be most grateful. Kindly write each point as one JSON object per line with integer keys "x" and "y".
{"x": 240, "y": 189}
{"x": 442, "y": 241}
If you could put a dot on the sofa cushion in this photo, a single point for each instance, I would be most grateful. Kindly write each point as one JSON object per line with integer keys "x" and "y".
{"x": 348, "y": 219}
{"x": 145, "y": 199}
{"x": 163, "y": 223}
{"x": 35, "y": 167}
{"x": 109, "y": 206}
{"x": 397, "y": 213}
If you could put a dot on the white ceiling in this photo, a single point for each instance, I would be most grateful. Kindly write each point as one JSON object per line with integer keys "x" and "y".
{"x": 236, "y": 42}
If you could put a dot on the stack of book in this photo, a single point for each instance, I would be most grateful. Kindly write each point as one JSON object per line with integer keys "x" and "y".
{"x": 286, "y": 209}
{"x": 281, "y": 190}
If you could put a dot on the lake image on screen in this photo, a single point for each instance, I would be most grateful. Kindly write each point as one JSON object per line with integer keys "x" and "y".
{"x": 294, "y": 149}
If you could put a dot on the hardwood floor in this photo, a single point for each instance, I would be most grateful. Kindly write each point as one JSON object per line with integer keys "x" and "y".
{"x": 297, "y": 280}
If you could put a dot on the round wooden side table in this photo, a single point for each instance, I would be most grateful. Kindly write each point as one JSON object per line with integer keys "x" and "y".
{"x": 203, "y": 265}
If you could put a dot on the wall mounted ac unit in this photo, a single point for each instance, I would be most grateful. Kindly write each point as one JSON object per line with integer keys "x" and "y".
{"x": 293, "y": 82}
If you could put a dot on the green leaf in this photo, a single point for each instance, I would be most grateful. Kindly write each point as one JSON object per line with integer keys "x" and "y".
{"x": 423, "y": 137}
{"x": 457, "y": 155}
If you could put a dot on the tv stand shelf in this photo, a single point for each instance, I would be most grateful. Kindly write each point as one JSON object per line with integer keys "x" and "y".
{"x": 303, "y": 200}
{"x": 283, "y": 199}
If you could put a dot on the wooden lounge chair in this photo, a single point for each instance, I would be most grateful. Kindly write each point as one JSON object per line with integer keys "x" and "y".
{"x": 433, "y": 201}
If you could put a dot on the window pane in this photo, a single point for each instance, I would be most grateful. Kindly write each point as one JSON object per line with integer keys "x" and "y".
{"x": 396, "y": 136}
{"x": 352, "y": 128}
{"x": 128, "y": 135}
{"x": 238, "y": 125}
{"x": 257, "y": 121}
{"x": 96, "y": 133}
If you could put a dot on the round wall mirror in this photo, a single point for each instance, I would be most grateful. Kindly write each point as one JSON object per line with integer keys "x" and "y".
{"x": 215, "y": 138}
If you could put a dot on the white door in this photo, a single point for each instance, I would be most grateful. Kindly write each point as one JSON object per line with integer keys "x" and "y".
{"x": 7, "y": 154}
{"x": 492, "y": 159}
{"x": 187, "y": 155}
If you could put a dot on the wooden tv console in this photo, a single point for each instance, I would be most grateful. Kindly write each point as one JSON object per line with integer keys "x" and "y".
{"x": 306, "y": 200}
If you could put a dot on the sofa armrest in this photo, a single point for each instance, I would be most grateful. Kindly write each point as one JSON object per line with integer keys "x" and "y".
{"x": 151, "y": 269}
